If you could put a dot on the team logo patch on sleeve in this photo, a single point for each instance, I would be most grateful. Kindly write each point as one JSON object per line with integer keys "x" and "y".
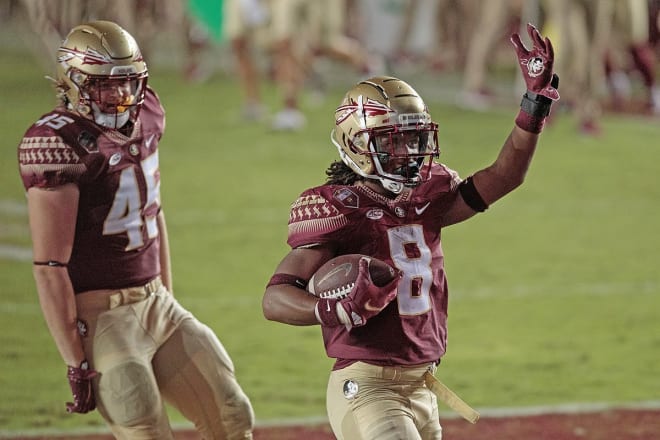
{"x": 346, "y": 197}
{"x": 88, "y": 142}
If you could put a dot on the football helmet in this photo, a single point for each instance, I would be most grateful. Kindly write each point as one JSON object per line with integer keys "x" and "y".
{"x": 101, "y": 73}
{"x": 383, "y": 131}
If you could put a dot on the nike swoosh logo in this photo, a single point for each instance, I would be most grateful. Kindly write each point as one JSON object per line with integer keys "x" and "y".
{"x": 346, "y": 268}
{"x": 419, "y": 211}
{"x": 370, "y": 308}
{"x": 148, "y": 143}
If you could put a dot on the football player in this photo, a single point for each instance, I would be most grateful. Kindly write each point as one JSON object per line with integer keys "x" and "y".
{"x": 388, "y": 198}
{"x": 101, "y": 256}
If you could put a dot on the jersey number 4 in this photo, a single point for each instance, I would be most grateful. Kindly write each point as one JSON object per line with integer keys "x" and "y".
{"x": 127, "y": 212}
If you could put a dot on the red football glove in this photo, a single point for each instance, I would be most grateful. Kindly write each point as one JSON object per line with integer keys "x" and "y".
{"x": 80, "y": 381}
{"x": 536, "y": 64}
{"x": 366, "y": 300}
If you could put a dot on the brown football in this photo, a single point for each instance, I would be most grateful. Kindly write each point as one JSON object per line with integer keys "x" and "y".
{"x": 336, "y": 278}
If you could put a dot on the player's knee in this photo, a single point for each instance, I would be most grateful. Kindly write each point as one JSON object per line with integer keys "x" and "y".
{"x": 128, "y": 395}
{"x": 238, "y": 416}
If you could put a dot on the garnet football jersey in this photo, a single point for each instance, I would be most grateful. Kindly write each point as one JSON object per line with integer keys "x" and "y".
{"x": 404, "y": 232}
{"x": 116, "y": 240}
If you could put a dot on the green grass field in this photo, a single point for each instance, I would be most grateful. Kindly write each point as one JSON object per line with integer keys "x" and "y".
{"x": 554, "y": 291}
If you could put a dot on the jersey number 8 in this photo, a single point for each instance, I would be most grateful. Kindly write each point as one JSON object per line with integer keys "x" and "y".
{"x": 412, "y": 256}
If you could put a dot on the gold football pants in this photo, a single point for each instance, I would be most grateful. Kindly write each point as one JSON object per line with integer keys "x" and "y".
{"x": 149, "y": 350}
{"x": 368, "y": 402}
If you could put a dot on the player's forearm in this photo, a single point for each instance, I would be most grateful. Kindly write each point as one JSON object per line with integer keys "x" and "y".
{"x": 165, "y": 262}
{"x": 58, "y": 306}
{"x": 509, "y": 169}
{"x": 289, "y": 305}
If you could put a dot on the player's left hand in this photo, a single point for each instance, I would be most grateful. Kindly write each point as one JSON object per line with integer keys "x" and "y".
{"x": 536, "y": 63}
{"x": 80, "y": 381}
{"x": 366, "y": 300}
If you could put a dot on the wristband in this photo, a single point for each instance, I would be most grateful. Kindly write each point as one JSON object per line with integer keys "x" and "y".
{"x": 285, "y": 278}
{"x": 326, "y": 312}
{"x": 529, "y": 123}
{"x": 535, "y": 105}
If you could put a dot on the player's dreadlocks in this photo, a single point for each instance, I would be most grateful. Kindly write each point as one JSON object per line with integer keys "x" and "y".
{"x": 341, "y": 174}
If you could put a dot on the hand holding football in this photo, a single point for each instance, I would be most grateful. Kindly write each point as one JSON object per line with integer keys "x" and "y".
{"x": 336, "y": 278}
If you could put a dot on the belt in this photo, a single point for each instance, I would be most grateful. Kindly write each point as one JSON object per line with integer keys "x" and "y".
{"x": 132, "y": 295}
{"x": 413, "y": 372}
{"x": 107, "y": 299}
{"x": 399, "y": 372}
{"x": 450, "y": 398}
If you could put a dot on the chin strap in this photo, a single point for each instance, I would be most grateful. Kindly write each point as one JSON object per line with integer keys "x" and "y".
{"x": 391, "y": 186}
{"x": 110, "y": 120}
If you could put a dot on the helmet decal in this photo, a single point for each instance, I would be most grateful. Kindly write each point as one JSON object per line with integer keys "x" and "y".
{"x": 89, "y": 56}
{"x": 371, "y": 108}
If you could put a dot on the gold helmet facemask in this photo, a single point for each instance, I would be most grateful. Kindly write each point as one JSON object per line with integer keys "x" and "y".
{"x": 101, "y": 73}
{"x": 383, "y": 131}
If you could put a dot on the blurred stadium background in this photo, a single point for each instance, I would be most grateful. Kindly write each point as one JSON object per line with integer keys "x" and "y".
{"x": 554, "y": 291}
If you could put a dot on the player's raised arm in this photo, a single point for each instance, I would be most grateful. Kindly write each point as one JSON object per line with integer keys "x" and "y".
{"x": 508, "y": 171}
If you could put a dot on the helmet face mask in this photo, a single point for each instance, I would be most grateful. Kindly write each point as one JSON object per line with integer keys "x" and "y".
{"x": 401, "y": 154}
{"x": 101, "y": 73}
{"x": 113, "y": 100}
{"x": 385, "y": 133}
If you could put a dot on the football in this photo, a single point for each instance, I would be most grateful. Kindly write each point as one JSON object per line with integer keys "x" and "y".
{"x": 336, "y": 278}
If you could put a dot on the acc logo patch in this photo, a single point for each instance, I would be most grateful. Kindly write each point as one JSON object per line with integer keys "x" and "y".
{"x": 375, "y": 214}
{"x": 351, "y": 389}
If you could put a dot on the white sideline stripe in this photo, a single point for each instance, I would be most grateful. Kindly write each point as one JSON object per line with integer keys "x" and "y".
{"x": 9, "y": 206}
{"x": 521, "y": 291}
{"x": 15, "y": 253}
{"x": 567, "y": 408}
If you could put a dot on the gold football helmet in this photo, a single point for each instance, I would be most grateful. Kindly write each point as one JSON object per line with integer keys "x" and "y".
{"x": 101, "y": 73}
{"x": 383, "y": 131}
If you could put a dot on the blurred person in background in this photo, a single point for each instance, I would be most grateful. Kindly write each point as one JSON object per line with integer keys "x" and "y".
{"x": 584, "y": 31}
{"x": 494, "y": 20}
{"x": 631, "y": 51}
{"x": 448, "y": 44}
{"x": 287, "y": 19}
{"x": 387, "y": 198}
{"x": 244, "y": 21}
{"x": 654, "y": 25}
{"x": 147, "y": 19}
{"x": 302, "y": 33}
{"x": 101, "y": 255}
{"x": 151, "y": 21}
{"x": 327, "y": 37}
{"x": 50, "y": 21}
